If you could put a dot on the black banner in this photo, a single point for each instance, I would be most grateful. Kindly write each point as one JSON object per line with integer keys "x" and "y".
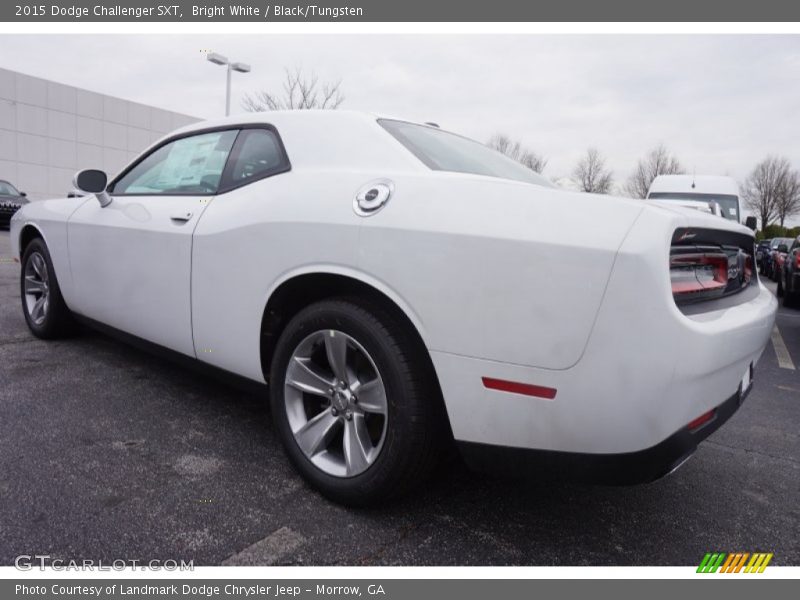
{"x": 732, "y": 588}
{"x": 407, "y": 10}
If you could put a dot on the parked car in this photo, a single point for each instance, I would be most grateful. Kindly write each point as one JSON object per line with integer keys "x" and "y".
{"x": 399, "y": 287}
{"x": 789, "y": 276}
{"x": 777, "y": 251}
{"x": 11, "y": 200}
{"x": 762, "y": 248}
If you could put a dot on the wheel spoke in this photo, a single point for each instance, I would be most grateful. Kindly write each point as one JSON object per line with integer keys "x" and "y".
{"x": 315, "y": 435}
{"x": 37, "y": 312}
{"x": 38, "y": 266}
{"x": 302, "y": 375}
{"x": 336, "y": 350}
{"x": 33, "y": 285}
{"x": 372, "y": 397}
{"x": 357, "y": 445}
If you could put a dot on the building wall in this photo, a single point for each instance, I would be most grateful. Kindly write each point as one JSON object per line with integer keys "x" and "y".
{"x": 48, "y": 131}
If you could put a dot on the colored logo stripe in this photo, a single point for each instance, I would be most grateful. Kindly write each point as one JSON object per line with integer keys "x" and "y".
{"x": 711, "y": 562}
{"x": 733, "y": 563}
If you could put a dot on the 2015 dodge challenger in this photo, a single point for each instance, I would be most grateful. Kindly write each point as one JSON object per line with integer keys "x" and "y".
{"x": 400, "y": 287}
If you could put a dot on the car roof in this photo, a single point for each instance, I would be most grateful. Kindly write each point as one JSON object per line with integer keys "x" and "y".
{"x": 341, "y": 138}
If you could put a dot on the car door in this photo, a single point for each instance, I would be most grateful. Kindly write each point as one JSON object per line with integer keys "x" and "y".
{"x": 131, "y": 260}
{"x": 790, "y": 264}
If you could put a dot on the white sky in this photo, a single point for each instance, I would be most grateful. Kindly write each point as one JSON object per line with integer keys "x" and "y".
{"x": 721, "y": 103}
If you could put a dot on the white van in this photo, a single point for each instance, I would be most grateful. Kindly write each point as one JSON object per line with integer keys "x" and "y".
{"x": 708, "y": 193}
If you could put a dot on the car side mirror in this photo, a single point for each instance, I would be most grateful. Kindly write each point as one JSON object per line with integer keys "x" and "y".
{"x": 751, "y": 222}
{"x": 23, "y": 194}
{"x": 783, "y": 248}
{"x": 93, "y": 181}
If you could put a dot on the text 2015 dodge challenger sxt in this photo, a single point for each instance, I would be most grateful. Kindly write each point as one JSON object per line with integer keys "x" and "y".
{"x": 399, "y": 286}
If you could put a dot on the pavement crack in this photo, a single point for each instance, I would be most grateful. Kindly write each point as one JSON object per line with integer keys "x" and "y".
{"x": 752, "y": 451}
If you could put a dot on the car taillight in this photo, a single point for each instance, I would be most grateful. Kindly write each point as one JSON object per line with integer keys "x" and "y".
{"x": 797, "y": 260}
{"x": 698, "y": 275}
{"x": 701, "y": 420}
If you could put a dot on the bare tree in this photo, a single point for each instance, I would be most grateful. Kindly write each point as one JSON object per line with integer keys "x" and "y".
{"x": 514, "y": 149}
{"x": 300, "y": 92}
{"x": 768, "y": 191}
{"x": 787, "y": 201}
{"x": 591, "y": 174}
{"x": 658, "y": 161}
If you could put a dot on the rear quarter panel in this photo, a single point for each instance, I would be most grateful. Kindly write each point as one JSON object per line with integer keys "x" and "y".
{"x": 496, "y": 269}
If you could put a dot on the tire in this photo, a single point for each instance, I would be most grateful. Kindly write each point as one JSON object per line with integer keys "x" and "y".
{"x": 48, "y": 318}
{"x": 789, "y": 297}
{"x": 779, "y": 291}
{"x": 401, "y": 446}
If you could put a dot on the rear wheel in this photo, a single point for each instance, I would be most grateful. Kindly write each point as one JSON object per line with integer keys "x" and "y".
{"x": 42, "y": 303}
{"x": 357, "y": 409}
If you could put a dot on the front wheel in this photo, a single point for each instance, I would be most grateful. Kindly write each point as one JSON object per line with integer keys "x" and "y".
{"x": 356, "y": 407}
{"x": 44, "y": 308}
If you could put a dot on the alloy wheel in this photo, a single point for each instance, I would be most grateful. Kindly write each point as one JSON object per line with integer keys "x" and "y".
{"x": 37, "y": 288}
{"x": 336, "y": 403}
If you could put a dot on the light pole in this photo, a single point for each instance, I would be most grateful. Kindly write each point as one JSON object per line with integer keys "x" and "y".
{"x": 218, "y": 59}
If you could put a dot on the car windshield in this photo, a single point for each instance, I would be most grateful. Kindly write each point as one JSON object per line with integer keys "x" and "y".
{"x": 778, "y": 241}
{"x": 444, "y": 151}
{"x": 6, "y": 189}
{"x": 728, "y": 202}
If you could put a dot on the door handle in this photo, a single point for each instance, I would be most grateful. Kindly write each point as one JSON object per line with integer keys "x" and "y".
{"x": 181, "y": 217}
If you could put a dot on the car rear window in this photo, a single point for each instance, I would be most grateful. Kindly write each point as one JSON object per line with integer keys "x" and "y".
{"x": 445, "y": 151}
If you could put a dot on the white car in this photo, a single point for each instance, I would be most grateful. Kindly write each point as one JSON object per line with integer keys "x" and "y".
{"x": 400, "y": 287}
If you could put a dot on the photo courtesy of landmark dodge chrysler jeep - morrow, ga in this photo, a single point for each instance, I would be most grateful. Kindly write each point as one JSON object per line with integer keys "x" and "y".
{"x": 401, "y": 288}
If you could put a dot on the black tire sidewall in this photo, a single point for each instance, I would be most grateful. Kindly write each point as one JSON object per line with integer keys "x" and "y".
{"x": 381, "y": 345}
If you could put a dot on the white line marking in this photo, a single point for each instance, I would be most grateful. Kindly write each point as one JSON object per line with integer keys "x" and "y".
{"x": 267, "y": 551}
{"x": 787, "y": 314}
{"x": 784, "y": 360}
{"x": 787, "y": 388}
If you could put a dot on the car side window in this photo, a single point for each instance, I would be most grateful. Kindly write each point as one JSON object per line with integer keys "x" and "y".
{"x": 190, "y": 165}
{"x": 257, "y": 154}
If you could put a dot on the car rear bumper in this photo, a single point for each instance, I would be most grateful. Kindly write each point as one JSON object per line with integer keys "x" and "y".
{"x": 6, "y": 212}
{"x": 647, "y": 372}
{"x": 625, "y": 468}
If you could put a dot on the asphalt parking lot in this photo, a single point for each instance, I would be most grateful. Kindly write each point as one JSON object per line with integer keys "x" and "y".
{"x": 110, "y": 453}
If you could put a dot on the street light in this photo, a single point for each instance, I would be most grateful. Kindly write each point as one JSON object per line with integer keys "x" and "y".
{"x": 218, "y": 59}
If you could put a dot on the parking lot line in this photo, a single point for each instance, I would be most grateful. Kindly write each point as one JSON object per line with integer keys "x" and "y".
{"x": 268, "y": 551}
{"x": 784, "y": 359}
{"x": 786, "y": 388}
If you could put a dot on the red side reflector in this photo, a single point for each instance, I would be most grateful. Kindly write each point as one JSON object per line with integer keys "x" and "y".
{"x": 526, "y": 389}
{"x": 701, "y": 420}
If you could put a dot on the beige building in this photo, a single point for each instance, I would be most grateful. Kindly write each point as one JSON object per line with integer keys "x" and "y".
{"x": 49, "y": 130}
